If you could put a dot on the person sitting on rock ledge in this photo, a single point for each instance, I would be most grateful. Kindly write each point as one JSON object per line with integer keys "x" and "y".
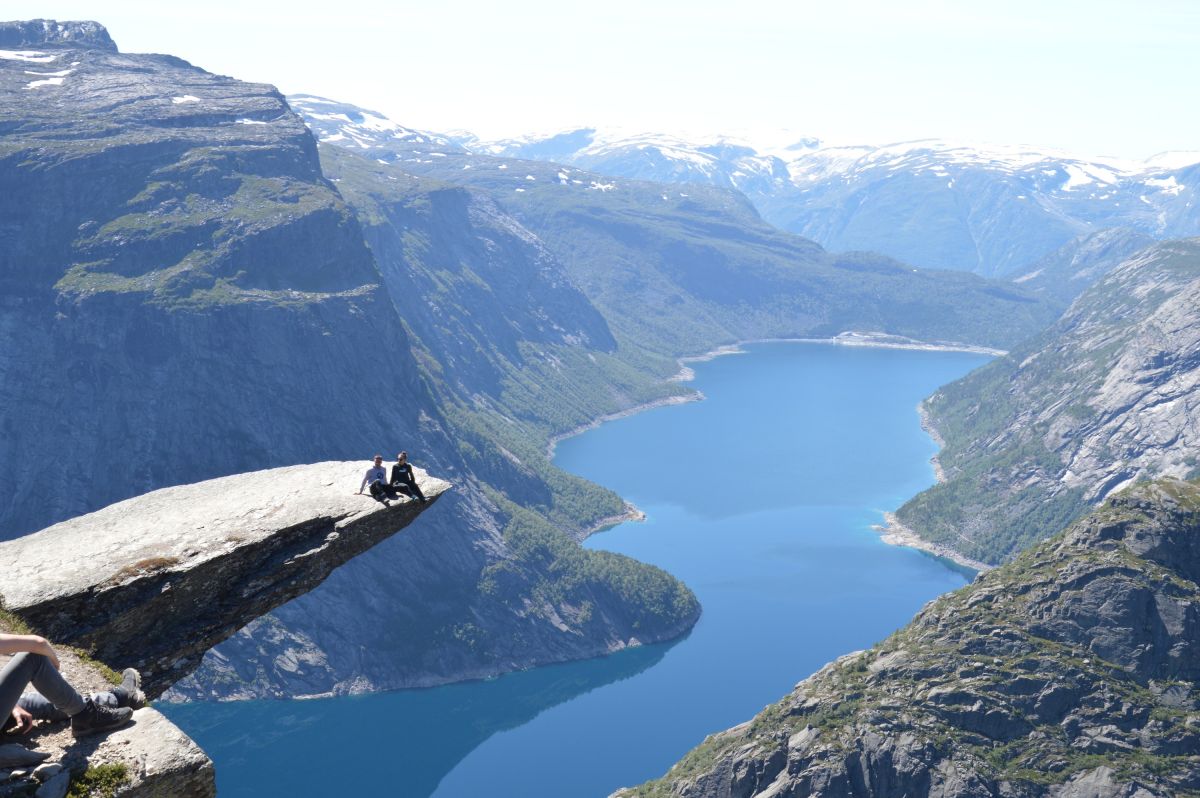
{"x": 403, "y": 480}
{"x": 376, "y": 478}
{"x": 35, "y": 662}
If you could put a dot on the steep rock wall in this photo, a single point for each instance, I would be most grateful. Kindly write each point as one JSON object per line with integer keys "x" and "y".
{"x": 1072, "y": 672}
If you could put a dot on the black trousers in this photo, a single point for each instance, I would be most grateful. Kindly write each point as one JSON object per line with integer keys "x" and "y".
{"x": 381, "y": 490}
{"x": 409, "y": 489}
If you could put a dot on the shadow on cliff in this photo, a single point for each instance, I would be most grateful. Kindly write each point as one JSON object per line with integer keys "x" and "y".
{"x": 398, "y": 743}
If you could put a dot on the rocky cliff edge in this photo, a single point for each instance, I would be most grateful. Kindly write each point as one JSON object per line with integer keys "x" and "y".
{"x": 155, "y": 581}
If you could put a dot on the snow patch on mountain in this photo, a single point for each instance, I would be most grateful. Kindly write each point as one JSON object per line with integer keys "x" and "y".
{"x": 332, "y": 121}
{"x": 28, "y": 56}
{"x": 992, "y": 209}
{"x": 1166, "y": 185}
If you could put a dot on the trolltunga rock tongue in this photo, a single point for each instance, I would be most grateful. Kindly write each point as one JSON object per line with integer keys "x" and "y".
{"x": 155, "y": 581}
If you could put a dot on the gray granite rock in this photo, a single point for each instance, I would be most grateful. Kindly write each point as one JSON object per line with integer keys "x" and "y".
{"x": 161, "y": 761}
{"x": 41, "y": 32}
{"x": 56, "y": 787}
{"x": 1065, "y": 674}
{"x": 1106, "y": 397}
{"x": 155, "y": 581}
{"x": 47, "y": 771}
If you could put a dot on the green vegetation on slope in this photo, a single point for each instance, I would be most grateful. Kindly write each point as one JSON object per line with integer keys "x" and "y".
{"x": 680, "y": 272}
{"x": 574, "y": 577}
{"x": 1015, "y": 428}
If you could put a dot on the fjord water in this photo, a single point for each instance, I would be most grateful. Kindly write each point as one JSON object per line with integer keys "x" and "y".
{"x": 760, "y": 498}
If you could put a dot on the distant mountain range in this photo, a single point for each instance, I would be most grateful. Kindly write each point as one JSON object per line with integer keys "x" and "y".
{"x": 991, "y": 210}
{"x": 678, "y": 268}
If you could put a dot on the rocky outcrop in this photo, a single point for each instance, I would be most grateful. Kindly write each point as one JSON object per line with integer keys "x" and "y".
{"x": 149, "y": 758}
{"x": 41, "y": 32}
{"x": 155, "y": 215}
{"x": 438, "y": 605}
{"x": 1073, "y": 671}
{"x": 185, "y": 295}
{"x": 1107, "y": 396}
{"x": 155, "y": 581}
{"x": 1068, "y": 271}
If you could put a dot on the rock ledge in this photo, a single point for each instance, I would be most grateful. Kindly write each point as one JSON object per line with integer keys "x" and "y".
{"x": 157, "y": 580}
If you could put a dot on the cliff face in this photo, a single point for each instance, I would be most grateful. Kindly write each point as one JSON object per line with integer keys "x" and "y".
{"x": 173, "y": 268}
{"x": 155, "y": 581}
{"x": 183, "y": 295}
{"x": 441, "y": 248}
{"x": 1073, "y": 671}
{"x": 1106, "y": 396}
{"x": 1071, "y": 269}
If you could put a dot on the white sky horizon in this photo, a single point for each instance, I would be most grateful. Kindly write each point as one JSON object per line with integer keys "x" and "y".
{"x": 1108, "y": 78}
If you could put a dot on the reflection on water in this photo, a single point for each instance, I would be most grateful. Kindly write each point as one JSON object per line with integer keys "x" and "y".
{"x": 400, "y": 743}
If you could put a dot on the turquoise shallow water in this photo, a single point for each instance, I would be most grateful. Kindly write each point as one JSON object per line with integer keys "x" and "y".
{"x": 760, "y": 498}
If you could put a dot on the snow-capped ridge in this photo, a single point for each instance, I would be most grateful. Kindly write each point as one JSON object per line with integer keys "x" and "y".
{"x": 333, "y": 121}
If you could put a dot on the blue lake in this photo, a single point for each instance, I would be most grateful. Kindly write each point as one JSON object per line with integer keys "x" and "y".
{"x": 761, "y": 498}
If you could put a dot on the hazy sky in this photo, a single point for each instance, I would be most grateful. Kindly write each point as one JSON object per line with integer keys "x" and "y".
{"x": 1115, "y": 77}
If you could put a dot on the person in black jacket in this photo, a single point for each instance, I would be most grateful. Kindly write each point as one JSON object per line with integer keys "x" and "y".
{"x": 403, "y": 480}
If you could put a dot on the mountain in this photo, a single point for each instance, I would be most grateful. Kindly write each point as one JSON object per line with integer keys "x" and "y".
{"x": 725, "y": 162}
{"x": 994, "y": 211}
{"x": 1105, "y": 397}
{"x": 341, "y": 123}
{"x": 186, "y": 295}
{"x": 991, "y": 210}
{"x": 1066, "y": 272}
{"x": 680, "y": 271}
{"x": 518, "y": 348}
{"x": 1071, "y": 672}
{"x": 156, "y": 219}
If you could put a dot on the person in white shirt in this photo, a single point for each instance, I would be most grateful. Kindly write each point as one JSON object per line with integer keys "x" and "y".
{"x": 375, "y": 480}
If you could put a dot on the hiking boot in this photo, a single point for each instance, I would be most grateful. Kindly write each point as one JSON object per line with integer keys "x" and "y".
{"x": 129, "y": 693}
{"x": 96, "y": 718}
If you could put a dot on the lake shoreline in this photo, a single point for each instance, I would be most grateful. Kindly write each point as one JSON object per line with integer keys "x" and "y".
{"x": 892, "y": 531}
{"x": 939, "y": 473}
{"x": 808, "y": 564}
{"x": 867, "y": 340}
{"x": 895, "y": 533}
{"x": 665, "y": 401}
{"x": 630, "y": 513}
